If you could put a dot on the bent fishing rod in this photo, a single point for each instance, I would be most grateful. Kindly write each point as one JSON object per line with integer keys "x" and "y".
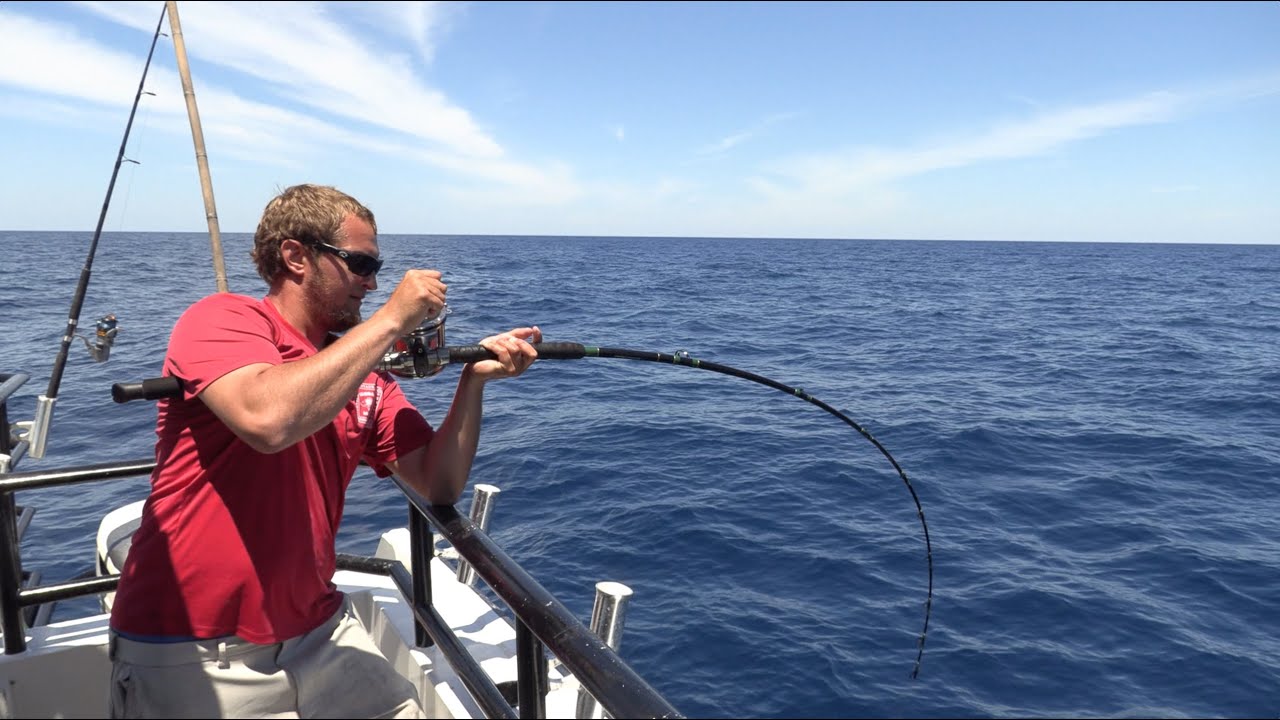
{"x": 106, "y": 329}
{"x": 406, "y": 360}
{"x": 422, "y": 354}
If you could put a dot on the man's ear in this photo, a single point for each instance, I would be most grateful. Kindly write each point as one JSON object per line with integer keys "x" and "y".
{"x": 294, "y": 256}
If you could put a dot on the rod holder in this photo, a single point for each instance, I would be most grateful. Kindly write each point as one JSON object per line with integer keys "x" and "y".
{"x": 38, "y": 436}
{"x": 607, "y": 617}
{"x": 481, "y": 508}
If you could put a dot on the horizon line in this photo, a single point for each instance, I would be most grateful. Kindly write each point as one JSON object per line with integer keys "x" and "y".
{"x": 688, "y": 237}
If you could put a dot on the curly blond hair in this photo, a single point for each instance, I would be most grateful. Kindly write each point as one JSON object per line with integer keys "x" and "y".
{"x": 307, "y": 213}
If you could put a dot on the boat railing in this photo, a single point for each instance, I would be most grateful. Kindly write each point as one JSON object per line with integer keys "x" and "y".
{"x": 541, "y": 621}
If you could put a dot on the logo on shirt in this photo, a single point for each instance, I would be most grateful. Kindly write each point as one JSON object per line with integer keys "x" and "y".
{"x": 367, "y": 398}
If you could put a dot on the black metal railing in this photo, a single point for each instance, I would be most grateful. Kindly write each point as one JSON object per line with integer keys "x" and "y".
{"x": 615, "y": 685}
{"x": 541, "y": 620}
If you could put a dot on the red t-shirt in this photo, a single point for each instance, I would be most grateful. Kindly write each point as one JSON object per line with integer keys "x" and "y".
{"x": 232, "y": 541}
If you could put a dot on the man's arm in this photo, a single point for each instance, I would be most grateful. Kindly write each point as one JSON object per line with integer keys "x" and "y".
{"x": 439, "y": 471}
{"x": 271, "y": 407}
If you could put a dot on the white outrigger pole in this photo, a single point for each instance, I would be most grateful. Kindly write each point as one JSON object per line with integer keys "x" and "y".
{"x": 197, "y": 135}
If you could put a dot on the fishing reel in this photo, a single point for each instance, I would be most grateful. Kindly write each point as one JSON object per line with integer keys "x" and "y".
{"x": 104, "y": 337}
{"x": 420, "y": 353}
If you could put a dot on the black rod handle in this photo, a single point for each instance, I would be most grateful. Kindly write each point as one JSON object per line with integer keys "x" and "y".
{"x": 150, "y": 389}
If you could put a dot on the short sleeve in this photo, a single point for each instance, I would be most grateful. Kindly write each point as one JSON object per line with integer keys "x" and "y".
{"x": 400, "y": 428}
{"x": 217, "y": 335}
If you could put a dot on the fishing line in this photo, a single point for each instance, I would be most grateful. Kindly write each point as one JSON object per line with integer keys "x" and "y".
{"x": 421, "y": 355}
{"x": 132, "y": 175}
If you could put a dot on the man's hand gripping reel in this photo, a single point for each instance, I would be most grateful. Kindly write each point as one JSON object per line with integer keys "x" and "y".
{"x": 416, "y": 355}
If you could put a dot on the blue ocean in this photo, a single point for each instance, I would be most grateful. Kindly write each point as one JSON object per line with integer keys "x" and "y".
{"x": 1093, "y": 431}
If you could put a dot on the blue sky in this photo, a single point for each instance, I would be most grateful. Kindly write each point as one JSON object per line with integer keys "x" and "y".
{"x": 1152, "y": 122}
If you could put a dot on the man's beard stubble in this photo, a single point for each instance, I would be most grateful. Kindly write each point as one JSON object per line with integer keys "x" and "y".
{"x": 319, "y": 293}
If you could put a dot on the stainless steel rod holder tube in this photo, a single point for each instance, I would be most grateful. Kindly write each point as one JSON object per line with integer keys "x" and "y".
{"x": 481, "y": 508}
{"x": 607, "y": 617}
{"x": 38, "y": 436}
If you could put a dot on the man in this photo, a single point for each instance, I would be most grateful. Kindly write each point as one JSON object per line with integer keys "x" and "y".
{"x": 226, "y": 605}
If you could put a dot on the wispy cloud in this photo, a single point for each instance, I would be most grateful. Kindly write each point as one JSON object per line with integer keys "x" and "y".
{"x": 305, "y": 79}
{"x": 742, "y": 136}
{"x": 422, "y": 24}
{"x": 61, "y": 61}
{"x": 725, "y": 143}
{"x": 301, "y": 53}
{"x": 840, "y": 172}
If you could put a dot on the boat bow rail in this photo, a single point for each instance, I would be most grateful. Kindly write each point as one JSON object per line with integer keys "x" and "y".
{"x": 541, "y": 622}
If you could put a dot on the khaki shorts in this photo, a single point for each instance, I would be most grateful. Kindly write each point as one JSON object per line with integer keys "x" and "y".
{"x": 334, "y": 671}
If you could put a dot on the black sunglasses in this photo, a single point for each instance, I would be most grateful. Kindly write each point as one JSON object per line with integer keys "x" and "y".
{"x": 358, "y": 263}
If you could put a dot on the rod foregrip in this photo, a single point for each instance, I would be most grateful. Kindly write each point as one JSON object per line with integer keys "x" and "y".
{"x": 560, "y": 350}
{"x": 545, "y": 350}
{"x": 150, "y": 389}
